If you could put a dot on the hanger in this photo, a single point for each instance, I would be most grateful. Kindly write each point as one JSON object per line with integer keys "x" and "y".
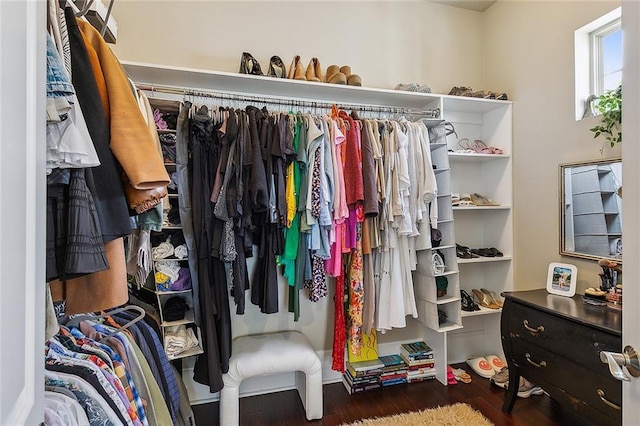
{"x": 85, "y": 9}
{"x": 77, "y": 319}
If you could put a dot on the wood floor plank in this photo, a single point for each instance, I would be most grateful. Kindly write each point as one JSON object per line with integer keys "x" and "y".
{"x": 285, "y": 408}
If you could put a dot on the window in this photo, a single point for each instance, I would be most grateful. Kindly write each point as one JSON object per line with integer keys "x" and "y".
{"x": 598, "y": 60}
{"x": 606, "y": 57}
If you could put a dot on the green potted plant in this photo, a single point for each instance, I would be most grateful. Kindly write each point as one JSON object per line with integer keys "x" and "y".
{"x": 609, "y": 106}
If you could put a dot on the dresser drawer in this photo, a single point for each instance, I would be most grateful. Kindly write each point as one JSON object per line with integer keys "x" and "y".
{"x": 565, "y": 338}
{"x": 542, "y": 366}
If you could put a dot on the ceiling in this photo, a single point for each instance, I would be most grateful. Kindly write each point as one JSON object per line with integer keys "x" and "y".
{"x": 477, "y": 5}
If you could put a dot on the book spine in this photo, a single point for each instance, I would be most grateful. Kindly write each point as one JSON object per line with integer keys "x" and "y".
{"x": 394, "y": 382}
{"x": 416, "y": 355}
{"x": 393, "y": 376}
{"x": 420, "y": 378}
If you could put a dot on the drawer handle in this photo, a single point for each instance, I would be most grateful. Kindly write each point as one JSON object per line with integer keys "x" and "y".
{"x": 540, "y": 328}
{"x": 535, "y": 364}
{"x": 606, "y": 401}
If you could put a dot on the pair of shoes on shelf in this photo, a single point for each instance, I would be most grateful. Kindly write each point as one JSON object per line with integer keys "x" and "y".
{"x": 464, "y": 252}
{"x": 485, "y": 94}
{"x": 487, "y": 298}
{"x": 414, "y": 87}
{"x": 467, "y": 303}
{"x": 481, "y": 200}
{"x": 296, "y": 71}
{"x": 250, "y": 65}
{"x": 342, "y": 75}
{"x": 465, "y": 146}
{"x": 487, "y": 252}
{"x": 461, "y": 200}
{"x": 486, "y": 366}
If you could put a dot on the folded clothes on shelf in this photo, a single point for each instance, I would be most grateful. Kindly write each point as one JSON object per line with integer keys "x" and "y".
{"x": 168, "y": 267}
{"x": 162, "y": 250}
{"x": 178, "y": 339}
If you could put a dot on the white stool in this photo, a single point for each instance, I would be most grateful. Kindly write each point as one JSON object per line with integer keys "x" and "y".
{"x": 264, "y": 354}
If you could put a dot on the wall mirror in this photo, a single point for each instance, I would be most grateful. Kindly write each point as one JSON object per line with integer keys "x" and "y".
{"x": 591, "y": 209}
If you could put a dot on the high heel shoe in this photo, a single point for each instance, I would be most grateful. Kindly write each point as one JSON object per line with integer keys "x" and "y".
{"x": 295, "y": 71}
{"x": 467, "y": 302}
{"x": 249, "y": 65}
{"x": 314, "y": 71}
{"x": 484, "y": 300}
{"x": 277, "y": 68}
{"x": 492, "y": 297}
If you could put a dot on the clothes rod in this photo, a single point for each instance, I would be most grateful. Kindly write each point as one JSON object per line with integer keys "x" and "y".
{"x": 234, "y": 97}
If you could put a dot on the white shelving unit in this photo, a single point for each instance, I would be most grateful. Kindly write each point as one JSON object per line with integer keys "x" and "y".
{"x": 488, "y": 120}
{"x": 163, "y": 295}
{"x": 481, "y": 226}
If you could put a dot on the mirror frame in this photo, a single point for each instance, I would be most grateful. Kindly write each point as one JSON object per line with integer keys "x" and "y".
{"x": 562, "y": 250}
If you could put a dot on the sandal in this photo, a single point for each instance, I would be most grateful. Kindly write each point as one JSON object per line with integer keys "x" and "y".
{"x": 481, "y": 200}
{"x": 464, "y": 252}
{"x": 481, "y": 148}
{"x": 461, "y": 375}
{"x": 464, "y": 147}
{"x": 492, "y": 297}
{"x": 484, "y": 300}
{"x": 467, "y": 302}
{"x": 496, "y": 252}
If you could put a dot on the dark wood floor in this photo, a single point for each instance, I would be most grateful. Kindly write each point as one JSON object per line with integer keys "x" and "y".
{"x": 285, "y": 408}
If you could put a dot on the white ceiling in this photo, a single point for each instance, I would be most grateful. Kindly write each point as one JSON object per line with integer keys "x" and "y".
{"x": 477, "y": 5}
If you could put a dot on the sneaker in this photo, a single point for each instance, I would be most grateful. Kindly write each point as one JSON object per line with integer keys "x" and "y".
{"x": 501, "y": 376}
{"x": 527, "y": 389}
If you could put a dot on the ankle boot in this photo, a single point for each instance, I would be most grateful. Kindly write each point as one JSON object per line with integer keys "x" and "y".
{"x": 318, "y": 69}
{"x": 249, "y": 65}
{"x": 295, "y": 71}
{"x": 311, "y": 71}
{"x": 277, "y": 68}
{"x": 334, "y": 76}
{"x": 352, "y": 79}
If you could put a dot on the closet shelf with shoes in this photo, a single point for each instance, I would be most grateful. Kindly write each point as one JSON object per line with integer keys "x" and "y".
{"x": 475, "y": 157}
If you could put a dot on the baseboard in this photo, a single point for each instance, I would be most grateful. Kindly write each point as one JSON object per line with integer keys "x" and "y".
{"x": 199, "y": 394}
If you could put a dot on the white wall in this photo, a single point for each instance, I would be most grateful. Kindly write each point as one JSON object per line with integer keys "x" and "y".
{"x": 386, "y": 43}
{"x": 528, "y": 53}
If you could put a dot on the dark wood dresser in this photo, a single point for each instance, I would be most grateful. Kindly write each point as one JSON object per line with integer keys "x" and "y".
{"x": 555, "y": 342}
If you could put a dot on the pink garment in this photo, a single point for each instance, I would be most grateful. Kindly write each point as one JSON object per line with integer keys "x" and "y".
{"x": 334, "y": 263}
{"x": 341, "y": 211}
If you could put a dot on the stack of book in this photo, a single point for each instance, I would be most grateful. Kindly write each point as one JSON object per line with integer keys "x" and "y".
{"x": 362, "y": 376}
{"x": 394, "y": 371}
{"x": 420, "y": 361}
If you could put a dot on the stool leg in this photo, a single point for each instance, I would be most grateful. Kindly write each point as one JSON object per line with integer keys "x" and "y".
{"x": 310, "y": 392}
{"x": 230, "y": 405}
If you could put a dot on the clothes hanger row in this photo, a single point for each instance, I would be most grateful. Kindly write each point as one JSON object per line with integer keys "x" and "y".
{"x": 239, "y": 101}
{"x": 74, "y": 320}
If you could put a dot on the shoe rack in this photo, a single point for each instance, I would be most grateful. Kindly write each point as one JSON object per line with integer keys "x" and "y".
{"x": 481, "y": 226}
{"x": 462, "y": 334}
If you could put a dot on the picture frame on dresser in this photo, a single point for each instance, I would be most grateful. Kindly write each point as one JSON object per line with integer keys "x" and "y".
{"x": 561, "y": 279}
